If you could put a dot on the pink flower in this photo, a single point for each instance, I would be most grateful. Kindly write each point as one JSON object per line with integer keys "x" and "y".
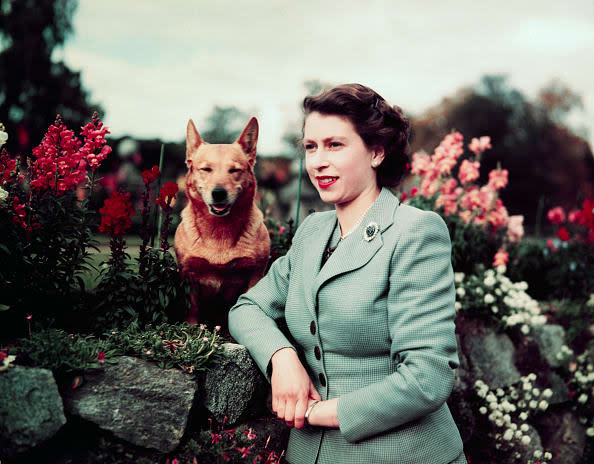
{"x": 469, "y": 171}
{"x": 515, "y": 228}
{"x": 551, "y": 245}
{"x": 429, "y": 187}
{"x": 556, "y": 215}
{"x": 479, "y": 145}
{"x": 448, "y": 202}
{"x": 574, "y": 216}
{"x": 498, "y": 217}
{"x": 281, "y": 230}
{"x": 216, "y": 437}
{"x": 202, "y": 326}
{"x": 500, "y": 258}
{"x": 498, "y": 179}
{"x": 449, "y": 186}
{"x": 249, "y": 434}
{"x": 244, "y": 451}
{"x": 217, "y": 328}
{"x": 421, "y": 163}
{"x": 29, "y": 317}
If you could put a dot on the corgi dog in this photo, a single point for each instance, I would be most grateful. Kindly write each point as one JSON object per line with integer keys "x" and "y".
{"x": 221, "y": 243}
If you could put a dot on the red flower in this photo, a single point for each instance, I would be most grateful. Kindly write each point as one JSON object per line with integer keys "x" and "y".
{"x": 403, "y": 197}
{"x": 563, "y": 234}
{"x": 556, "y": 215}
{"x": 2, "y": 355}
{"x": 230, "y": 432}
{"x": 150, "y": 175}
{"x": 101, "y": 357}
{"x": 216, "y": 437}
{"x": 167, "y": 194}
{"x": 413, "y": 191}
{"x": 116, "y": 214}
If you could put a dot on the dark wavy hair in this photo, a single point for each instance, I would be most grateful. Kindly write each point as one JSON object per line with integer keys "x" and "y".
{"x": 376, "y": 122}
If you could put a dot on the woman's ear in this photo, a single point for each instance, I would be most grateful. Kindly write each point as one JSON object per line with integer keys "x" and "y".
{"x": 378, "y": 156}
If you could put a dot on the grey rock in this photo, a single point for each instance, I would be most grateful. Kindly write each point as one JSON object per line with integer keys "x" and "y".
{"x": 491, "y": 358}
{"x": 235, "y": 388}
{"x": 137, "y": 401}
{"x": 31, "y": 409}
{"x": 562, "y": 432}
{"x": 559, "y": 388}
{"x": 550, "y": 338}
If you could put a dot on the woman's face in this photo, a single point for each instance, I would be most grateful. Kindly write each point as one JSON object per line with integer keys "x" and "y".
{"x": 336, "y": 158}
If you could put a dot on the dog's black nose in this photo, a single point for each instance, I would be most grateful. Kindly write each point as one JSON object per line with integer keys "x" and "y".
{"x": 219, "y": 194}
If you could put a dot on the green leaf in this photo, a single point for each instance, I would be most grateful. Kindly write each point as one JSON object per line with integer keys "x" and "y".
{"x": 4, "y": 307}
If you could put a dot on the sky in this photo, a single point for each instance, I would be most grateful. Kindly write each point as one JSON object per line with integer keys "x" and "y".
{"x": 155, "y": 64}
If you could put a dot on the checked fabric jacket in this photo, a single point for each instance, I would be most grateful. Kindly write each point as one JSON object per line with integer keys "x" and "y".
{"x": 373, "y": 327}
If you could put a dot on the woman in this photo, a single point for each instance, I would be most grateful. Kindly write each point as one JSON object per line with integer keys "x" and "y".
{"x": 367, "y": 294}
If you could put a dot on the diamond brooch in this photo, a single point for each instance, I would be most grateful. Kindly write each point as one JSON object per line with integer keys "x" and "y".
{"x": 370, "y": 231}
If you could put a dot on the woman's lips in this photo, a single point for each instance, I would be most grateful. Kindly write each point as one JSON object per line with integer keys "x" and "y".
{"x": 325, "y": 183}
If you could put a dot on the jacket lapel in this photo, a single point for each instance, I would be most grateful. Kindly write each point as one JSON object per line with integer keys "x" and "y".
{"x": 353, "y": 252}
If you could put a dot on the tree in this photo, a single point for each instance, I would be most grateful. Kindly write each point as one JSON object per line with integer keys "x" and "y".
{"x": 33, "y": 88}
{"x": 546, "y": 162}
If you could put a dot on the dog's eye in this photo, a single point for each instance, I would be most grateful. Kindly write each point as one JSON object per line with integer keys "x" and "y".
{"x": 206, "y": 169}
{"x": 234, "y": 170}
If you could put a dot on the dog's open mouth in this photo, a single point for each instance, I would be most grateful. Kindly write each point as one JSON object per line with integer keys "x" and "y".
{"x": 219, "y": 210}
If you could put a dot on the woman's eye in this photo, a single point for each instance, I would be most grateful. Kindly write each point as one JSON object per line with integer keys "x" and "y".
{"x": 309, "y": 146}
{"x": 335, "y": 144}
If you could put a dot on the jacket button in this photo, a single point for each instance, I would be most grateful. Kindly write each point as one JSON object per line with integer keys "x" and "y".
{"x": 317, "y": 353}
{"x": 312, "y": 327}
{"x": 322, "y": 380}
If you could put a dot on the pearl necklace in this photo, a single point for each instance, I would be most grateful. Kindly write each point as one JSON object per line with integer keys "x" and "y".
{"x": 343, "y": 236}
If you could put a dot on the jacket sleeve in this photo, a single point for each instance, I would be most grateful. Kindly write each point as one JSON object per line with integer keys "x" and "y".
{"x": 421, "y": 315}
{"x": 254, "y": 317}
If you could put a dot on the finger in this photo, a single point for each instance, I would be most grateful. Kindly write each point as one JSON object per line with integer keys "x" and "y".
{"x": 290, "y": 412}
{"x": 280, "y": 413}
{"x": 300, "y": 408}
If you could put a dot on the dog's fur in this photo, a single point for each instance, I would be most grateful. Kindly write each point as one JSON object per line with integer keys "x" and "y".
{"x": 221, "y": 243}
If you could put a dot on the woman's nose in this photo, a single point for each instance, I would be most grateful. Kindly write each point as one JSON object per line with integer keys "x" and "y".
{"x": 319, "y": 159}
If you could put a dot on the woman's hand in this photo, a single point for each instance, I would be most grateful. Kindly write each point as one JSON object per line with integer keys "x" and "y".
{"x": 292, "y": 389}
{"x": 324, "y": 413}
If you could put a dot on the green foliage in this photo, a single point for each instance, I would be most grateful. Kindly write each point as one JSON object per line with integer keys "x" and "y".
{"x": 63, "y": 353}
{"x": 150, "y": 291}
{"x": 567, "y": 272}
{"x": 578, "y": 315}
{"x": 281, "y": 236}
{"x": 42, "y": 269}
{"x": 190, "y": 347}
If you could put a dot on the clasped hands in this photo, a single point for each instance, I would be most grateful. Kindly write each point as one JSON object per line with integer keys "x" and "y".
{"x": 293, "y": 392}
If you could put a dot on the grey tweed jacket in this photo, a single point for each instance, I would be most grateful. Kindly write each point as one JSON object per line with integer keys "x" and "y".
{"x": 373, "y": 327}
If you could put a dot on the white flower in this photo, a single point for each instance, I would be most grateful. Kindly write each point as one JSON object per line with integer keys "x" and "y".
{"x": 591, "y": 300}
{"x": 525, "y": 329}
{"x": 543, "y": 405}
{"x": 532, "y": 376}
{"x": 590, "y": 431}
{"x": 523, "y": 416}
{"x": 498, "y": 292}
{"x": 483, "y": 410}
{"x": 547, "y": 393}
{"x": 489, "y": 281}
{"x": 3, "y": 137}
{"x": 491, "y": 398}
{"x": 499, "y": 422}
{"x": 535, "y": 391}
{"x": 525, "y": 439}
{"x": 3, "y": 195}
{"x": 479, "y": 290}
{"x": 548, "y": 455}
{"x": 494, "y": 309}
{"x": 537, "y": 453}
{"x": 461, "y": 292}
{"x": 489, "y": 298}
{"x": 458, "y": 277}
{"x": 524, "y": 427}
{"x": 533, "y": 404}
{"x": 518, "y": 434}
{"x": 583, "y": 398}
{"x": 501, "y": 269}
{"x": 508, "y": 435}
{"x": 457, "y": 306}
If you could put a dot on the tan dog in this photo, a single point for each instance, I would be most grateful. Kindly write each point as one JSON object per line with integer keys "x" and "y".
{"x": 221, "y": 243}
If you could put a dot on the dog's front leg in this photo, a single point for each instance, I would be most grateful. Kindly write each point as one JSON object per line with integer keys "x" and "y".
{"x": 192, "y": 317}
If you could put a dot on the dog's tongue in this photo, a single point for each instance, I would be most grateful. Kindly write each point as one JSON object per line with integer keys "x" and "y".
{"x": 218, "y": 208}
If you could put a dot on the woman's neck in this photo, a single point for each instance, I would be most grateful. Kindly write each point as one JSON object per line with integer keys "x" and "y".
{"x": 351, "y": 213}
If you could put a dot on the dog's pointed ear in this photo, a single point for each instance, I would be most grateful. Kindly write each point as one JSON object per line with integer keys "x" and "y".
{"x": 249, "y": 138}
{"x": 193, "y": 140}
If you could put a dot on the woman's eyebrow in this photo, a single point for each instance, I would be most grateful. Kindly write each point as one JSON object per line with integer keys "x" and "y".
{"x": 335, "y": 137}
